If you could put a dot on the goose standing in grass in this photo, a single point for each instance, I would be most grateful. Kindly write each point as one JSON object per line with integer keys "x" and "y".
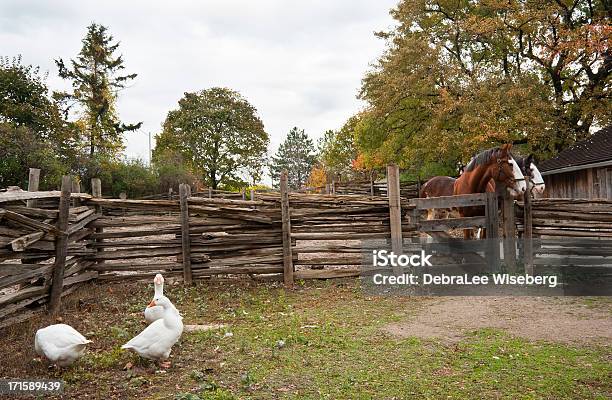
{"x": 60, "y": 343}
{"x": 156, "y": 340}
{"x": 156, "y": 312}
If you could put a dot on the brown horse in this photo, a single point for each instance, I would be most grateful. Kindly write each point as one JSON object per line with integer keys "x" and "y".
{"x": 496, "y": 164}
{"x": 436, "y": 187}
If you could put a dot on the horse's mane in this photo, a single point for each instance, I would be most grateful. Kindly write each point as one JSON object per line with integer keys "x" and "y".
{"x": 482, "y": 158}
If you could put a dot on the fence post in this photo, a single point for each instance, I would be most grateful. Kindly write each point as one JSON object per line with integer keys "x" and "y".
{"x": 243, "y": 193}
{"x": 76, "y": 188}
{"x": 61, "y": 247}
{"x": 184, "y": 193}
{"x": 492, "y": 226}
{"x": 395, "y": 212}
{"x": 252, "y": 194}
{"x": 33, "y": 179}
{"x": 96, "y": 192}
{"x": 371, "y": 185}
{"x": 509, "y": 231}
{"x": 286, "y": 227}
{"x": 528, "y": 231}
{"x": 210, "y": 193}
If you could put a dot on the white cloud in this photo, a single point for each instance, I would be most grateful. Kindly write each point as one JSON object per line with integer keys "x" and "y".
{"x": 299, "y": 63}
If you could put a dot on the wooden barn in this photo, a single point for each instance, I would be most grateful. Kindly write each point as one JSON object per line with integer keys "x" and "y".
{"x": 583, "y": 170}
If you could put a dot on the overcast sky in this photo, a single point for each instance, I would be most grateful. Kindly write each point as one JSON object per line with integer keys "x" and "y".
{"x": 299, "y": 63}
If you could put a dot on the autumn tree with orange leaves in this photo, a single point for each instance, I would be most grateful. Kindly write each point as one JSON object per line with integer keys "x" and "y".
{"x": 460, "y": 76}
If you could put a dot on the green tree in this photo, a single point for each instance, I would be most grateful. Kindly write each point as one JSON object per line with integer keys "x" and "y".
{"x": 218, "y": 134}
{"x": 338, "y": 151}
{"x": 459, "y": 76}
{"x": 33, "y": 131}
{"x": 21, "y": 149}
{"x": 172, "y": 170}
{"x": 97, "y": 78}
{"x": 296, "y": 155}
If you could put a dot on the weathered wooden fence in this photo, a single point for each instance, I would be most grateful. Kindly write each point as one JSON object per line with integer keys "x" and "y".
{"x": 44, "y": 249}
{"x": 186, "y": 236}
{"x": 51, "y": 242}
{"x": 574, "y": 233}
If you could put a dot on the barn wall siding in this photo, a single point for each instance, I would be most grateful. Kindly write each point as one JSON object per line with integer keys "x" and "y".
{"x": 590, "y": 183}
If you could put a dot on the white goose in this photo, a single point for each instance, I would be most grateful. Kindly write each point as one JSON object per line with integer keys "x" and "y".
{"x": 61, "y": 344}
{"x": 156, "y": 312}
{"x": 156, "y": 340}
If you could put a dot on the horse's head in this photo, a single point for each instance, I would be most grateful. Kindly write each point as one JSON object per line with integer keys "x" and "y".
{"x": 507, "y": 171}
{"x": 531, "y": 171}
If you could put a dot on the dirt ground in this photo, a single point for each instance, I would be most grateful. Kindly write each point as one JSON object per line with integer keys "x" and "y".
{"x": 563, "y": 320}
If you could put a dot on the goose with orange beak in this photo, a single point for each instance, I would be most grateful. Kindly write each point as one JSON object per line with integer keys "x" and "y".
{"x": 156, "y": 340}
{"x": 155, "y": 312}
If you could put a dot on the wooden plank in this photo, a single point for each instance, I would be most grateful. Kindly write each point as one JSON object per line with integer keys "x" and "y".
{"x": 21, "y": 243}
{"x": 33, "y": 212}
{"x": 508, "y": 229}
{"x": 96, "y": 191}
{"x": 569, "y": 223}
{"x": 8, "y": 310}
{"x": 464, "y": 200}
{"x": 574, "y": 251}
{"x": 80, "y": 225}
{"x": 61, "y": 247}
{"x": 255, "y": 269}
{"x": 327, "y": 273}
{"x": 22, "y": 294}
{"x": 184, "y": 193}
{"x": 452, "y": 223}
{"x": 544, "y": 214}
{"x": 577, "y": 260}
{"x": 20, "y": 317}
{"x": 74, "y": 217}
{"x": 76, "y": 188}
{"x": 137, "y": 266}
{"x": 492, "y": 226}
{"x": 32, "y": 223}
{"x": 286, "y": 232}
{"x": 571, "y": 233}
{"x": 137, "y": 252}
{"x": 395, "y": 212}
{"x": 528, "y": 231}
{"x": 25, "y": 276}
{"x": 590, "y": 186}
{"x": 33, "y": 181}
{"x": 23, "y": 195}
{"x": 336, "y": 260}
{"x": 341, "y": 236}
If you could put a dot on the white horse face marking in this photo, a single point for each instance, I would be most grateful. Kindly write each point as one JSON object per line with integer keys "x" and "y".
{"x": 537, "y": 179}
{"x": 519, "y": 184}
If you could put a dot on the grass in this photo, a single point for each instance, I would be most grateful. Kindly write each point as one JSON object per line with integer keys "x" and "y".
{"x": 322, "y": 341}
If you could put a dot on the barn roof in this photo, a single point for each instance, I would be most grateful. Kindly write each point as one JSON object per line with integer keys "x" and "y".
{"x": 597, "y": 149}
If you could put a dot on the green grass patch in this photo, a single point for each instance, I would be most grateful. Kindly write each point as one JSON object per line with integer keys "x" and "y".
{"x": 323, "y": 341}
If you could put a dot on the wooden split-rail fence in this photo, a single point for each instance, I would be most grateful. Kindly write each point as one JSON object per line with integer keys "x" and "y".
{"x": 53, "y": 242}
